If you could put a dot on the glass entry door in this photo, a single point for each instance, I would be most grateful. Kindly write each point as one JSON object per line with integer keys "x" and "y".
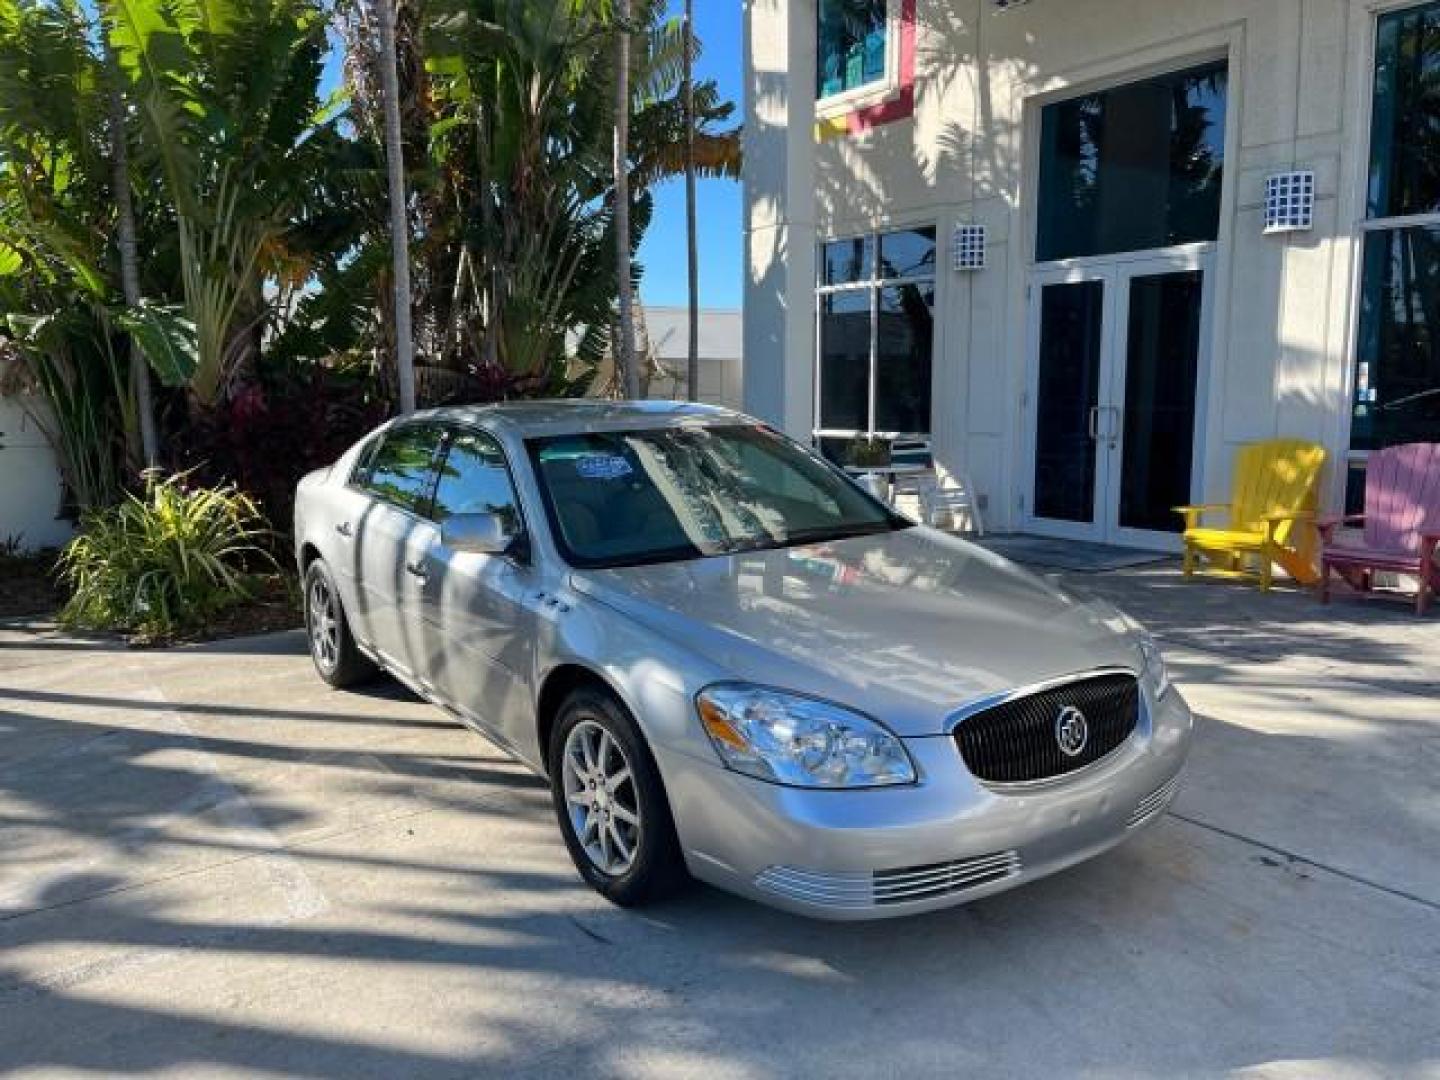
{"x": 1115, "y": 365}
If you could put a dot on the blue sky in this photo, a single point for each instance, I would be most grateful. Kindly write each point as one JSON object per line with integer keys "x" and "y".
{"x": 717, "y": 22}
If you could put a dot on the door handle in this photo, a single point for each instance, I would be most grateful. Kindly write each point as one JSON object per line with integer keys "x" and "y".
{"x": 1117, "y": 419}
{"x": 344, "y": 529}
{"x": 418, "y": 569}
{"x": 1092, "y": 426}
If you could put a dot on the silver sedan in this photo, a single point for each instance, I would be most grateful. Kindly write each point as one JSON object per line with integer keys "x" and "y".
{"x": 731, "y": 662}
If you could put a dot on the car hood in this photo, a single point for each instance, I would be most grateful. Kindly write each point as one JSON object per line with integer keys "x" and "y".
{"x": 906, "y": 626}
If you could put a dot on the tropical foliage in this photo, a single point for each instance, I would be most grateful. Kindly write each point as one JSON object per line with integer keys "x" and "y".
{"x": 163, "y": 561}
{"x": 261, "y": 231}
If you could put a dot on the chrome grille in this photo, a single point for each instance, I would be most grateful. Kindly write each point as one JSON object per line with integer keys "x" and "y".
{"x": 1015, "y": 741}
{"x": 1154, "y": 803}
{"x": 882, "y": 888}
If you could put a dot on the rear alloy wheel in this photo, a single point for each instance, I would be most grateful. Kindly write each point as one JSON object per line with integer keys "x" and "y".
{"x": 332, "y": 647}
{"x": 610, "y": 802}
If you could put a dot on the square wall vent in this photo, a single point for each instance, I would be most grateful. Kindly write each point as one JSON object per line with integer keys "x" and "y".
{"x": 1290, "y": 201}
{"x": 968, "y": 247}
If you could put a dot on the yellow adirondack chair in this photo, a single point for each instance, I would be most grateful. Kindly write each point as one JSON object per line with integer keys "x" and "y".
{"x": 1271, "y": 515}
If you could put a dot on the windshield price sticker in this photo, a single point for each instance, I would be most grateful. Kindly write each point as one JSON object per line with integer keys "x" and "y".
{"x": 603, "y": 466}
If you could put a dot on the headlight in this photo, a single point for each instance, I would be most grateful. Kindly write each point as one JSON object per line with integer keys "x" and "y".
{"x": 800, "y": 741}
{"x": 1154, "y": 665}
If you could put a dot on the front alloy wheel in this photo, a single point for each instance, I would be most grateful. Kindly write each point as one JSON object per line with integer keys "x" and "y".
{"x": 600, "y": 793}
{"x": 610, "y": 802}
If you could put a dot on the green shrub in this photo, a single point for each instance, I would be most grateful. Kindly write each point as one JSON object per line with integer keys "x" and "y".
{"x": 165, "y": 561}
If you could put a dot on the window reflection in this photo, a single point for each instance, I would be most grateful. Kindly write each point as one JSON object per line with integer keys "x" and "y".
{"x": 845, "y": 360}
{"x": 1397, "y": 385}
{"x": 474, "y": 480}
{"x": 1134, "y": 168}
{"x": 1396, "y": 396}
{"x": 850, "y": 44}
{"x": 401, "y": 470}
{"x": 1405, "y": 138}
{"x": 876, "y": 327}
{"x": 904, "y": 345}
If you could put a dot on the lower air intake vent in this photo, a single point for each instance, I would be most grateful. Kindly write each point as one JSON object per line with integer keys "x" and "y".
{"x": 883, "y": 888}
{"x": 1154, "y": 803}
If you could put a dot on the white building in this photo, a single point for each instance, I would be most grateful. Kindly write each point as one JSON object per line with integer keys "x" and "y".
{"x": 667, "y": 330}
{"x": 1141, "y": 311}
{"x": 31, "y": 493}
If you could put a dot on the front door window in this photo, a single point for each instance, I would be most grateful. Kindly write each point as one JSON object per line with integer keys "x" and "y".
{"x": 1162, "y": 357}
{"x": 1071, "y": 343}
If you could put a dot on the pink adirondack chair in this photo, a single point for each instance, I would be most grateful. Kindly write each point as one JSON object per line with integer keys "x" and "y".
{"x": 1401, "y": 521}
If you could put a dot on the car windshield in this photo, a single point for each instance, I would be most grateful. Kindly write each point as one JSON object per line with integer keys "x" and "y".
{"x": 625, "y": 498}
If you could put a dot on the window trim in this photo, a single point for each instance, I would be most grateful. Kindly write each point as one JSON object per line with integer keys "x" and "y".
{"x": 360, "y": 469}
{"x": 874, "y": 284}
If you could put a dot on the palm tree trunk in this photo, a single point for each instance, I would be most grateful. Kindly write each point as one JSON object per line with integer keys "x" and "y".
{"x": 625, "y": 347}
{"x": 692, "y": 253}
{"x": 129, "y": 270}
{"x": 399, "y": 218}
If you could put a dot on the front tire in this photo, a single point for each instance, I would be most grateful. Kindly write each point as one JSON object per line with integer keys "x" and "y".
{"x": 332, "y": 646}
{"x": 610, "y": 802}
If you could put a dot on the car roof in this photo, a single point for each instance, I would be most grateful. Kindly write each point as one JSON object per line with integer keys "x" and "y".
{"x": 568, "y": 416}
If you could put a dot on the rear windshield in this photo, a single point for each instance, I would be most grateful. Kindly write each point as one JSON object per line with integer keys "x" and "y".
{"x": 624, "y": 498}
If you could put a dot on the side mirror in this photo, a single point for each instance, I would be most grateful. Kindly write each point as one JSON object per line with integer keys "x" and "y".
{"x": 478, "y": 534}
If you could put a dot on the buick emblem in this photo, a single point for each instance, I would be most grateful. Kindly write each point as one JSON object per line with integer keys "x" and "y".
{"x": 1072, "y": 731}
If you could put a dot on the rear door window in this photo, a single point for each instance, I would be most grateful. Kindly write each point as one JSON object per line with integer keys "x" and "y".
{"x": 403, "y": 469}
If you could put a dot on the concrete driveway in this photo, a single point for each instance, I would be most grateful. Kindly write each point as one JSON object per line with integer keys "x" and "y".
{"x": 210, "y": 865}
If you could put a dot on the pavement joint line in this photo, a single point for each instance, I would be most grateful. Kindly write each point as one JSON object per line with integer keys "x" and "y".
{"x": 1291, "y": 856}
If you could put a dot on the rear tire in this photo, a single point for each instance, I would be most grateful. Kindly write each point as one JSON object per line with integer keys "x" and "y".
{"x": 610, "y": 802}
{"x": 332, "y": 646}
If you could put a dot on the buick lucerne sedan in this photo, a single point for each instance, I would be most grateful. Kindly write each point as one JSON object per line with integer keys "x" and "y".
{"x": 731, "y": 662}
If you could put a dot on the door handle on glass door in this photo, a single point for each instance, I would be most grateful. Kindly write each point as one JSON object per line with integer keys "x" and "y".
{"x": 1116, "y": 418}
{"x": 1093, "y": 425}
{"x": 418, "y": 569}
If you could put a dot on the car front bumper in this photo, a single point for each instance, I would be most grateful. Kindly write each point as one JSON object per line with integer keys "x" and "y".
{"x": 946, "y": 840}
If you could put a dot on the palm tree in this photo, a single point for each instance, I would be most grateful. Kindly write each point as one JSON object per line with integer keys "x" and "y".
{"x": 625, "y": 347}
{"x": 129, "y": 270}
{"x": 692, "y": 254}
{"x": 399, "y": 226}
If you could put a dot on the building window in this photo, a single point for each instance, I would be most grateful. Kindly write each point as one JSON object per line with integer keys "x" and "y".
{"x": 850, "y": 44}
{"x": 1133, "y": 168}
{"x": 876, "y": 337}
{"x": 1396, "y": 396}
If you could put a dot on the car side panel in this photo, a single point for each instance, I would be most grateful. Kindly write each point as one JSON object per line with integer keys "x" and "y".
{"x": 388, "y": 541}
{"x": 477, "y": 615}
